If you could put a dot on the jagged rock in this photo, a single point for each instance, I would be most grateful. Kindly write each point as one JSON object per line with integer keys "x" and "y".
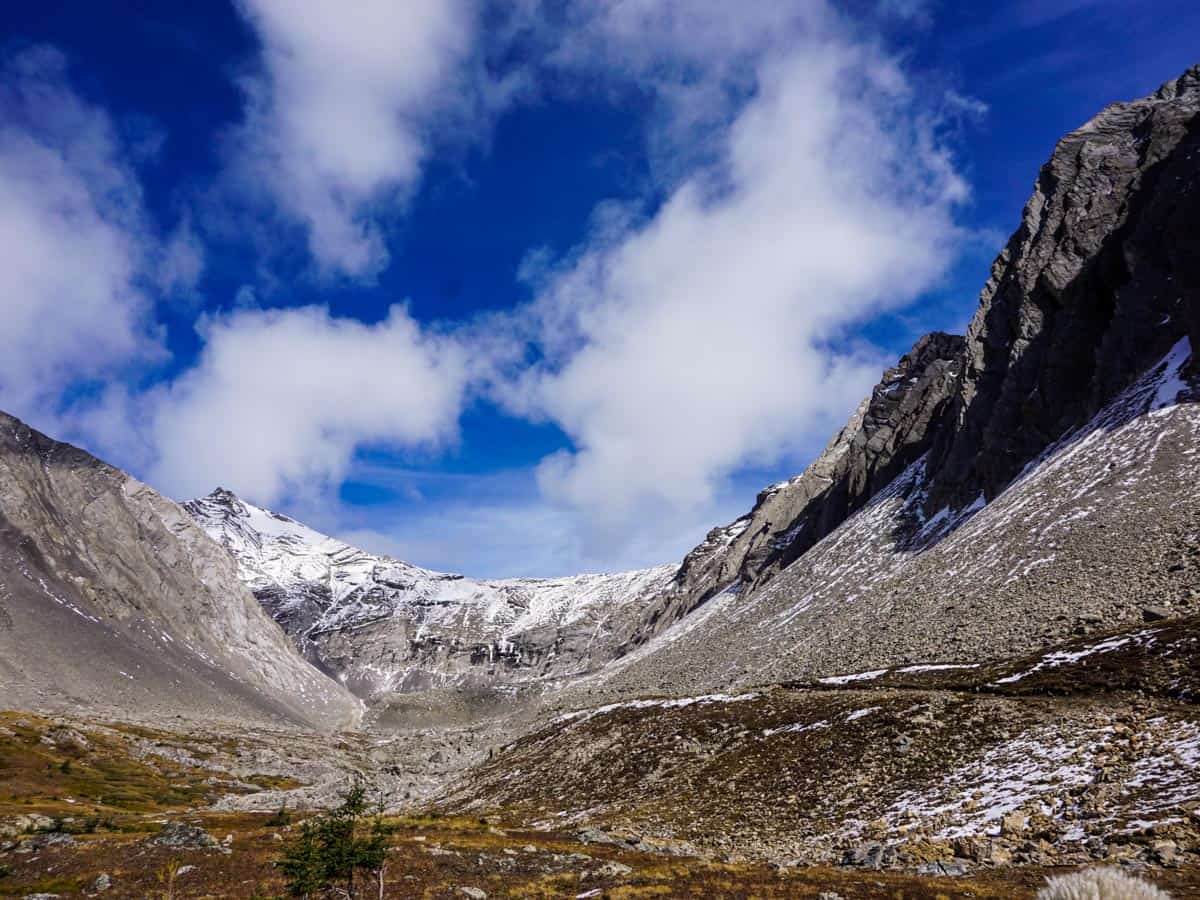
{"x": 1165, "y": 853}
{"x": 1098, "y": 283}
{"x": 1155, "y": 613}
{"x": 889, "y": 430}
{"x": 1014, "y": 823}
{"x": 871, "y": 855}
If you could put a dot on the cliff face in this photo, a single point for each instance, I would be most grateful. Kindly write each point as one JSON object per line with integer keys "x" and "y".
{"x": 1099, "y": 281}
{"x": 114, "y": 598}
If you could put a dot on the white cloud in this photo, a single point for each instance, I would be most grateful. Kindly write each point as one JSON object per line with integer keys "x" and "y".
{"x": 280, "y": 400}
{"x": 337, "y": 119}
{"x": 678, "y": 350}
{"x": 74, "y": 243}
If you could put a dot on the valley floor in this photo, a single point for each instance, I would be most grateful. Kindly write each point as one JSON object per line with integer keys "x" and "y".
{"x": 88, "y": 803}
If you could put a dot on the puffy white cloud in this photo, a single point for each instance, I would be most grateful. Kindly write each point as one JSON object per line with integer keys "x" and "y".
{"x": 280, "y": 400}
{"x": 75, "y": 247}
{"x": 678, "y": 349}
{"x": 337, "y": 118}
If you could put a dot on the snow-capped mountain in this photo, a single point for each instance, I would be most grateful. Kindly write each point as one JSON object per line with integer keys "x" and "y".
{"x": 383, "y": 625}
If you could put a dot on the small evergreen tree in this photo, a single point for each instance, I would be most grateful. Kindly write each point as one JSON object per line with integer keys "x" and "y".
{"x": 330, "y": 850}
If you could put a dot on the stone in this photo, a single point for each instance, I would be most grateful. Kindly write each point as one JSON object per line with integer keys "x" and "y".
{"x": 182, "y": 836}
{"x": 473, "y": 892}
{"x": 102, "y": 883}
{"x": 868, "y": 856}
{"x": 1165, "y": 853}
{"x": 613, "y": 869}
{"x": 44, "y": 841}
{"x": 1155, "y": 613}
{"x": 1014, "y": 823}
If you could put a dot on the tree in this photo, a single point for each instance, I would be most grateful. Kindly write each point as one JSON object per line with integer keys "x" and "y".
{"x": 332, "y": 849}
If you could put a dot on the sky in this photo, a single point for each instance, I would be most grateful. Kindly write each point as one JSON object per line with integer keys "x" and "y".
{"x": 514, "y": 288}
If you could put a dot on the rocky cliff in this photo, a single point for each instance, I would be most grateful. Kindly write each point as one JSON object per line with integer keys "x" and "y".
{"x": 890, "y": 430}
{"x": 1099, "y": 281}
{"x": 1077, "y": 367}
{"x": 113, "y": 599}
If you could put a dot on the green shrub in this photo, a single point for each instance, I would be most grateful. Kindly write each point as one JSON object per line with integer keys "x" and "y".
{"x": 331, "y": 850}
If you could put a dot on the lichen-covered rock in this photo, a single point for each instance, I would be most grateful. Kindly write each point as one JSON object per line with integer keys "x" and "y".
{"x": 181, "y": 836}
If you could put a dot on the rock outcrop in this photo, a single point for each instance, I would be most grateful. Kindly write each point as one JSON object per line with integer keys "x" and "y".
{"x": 889, "y": 431}
{"x": 1099, "y": 281}
{"x": 1057, "y": 413}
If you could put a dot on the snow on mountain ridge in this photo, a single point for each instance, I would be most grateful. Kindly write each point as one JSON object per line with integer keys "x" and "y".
{"x": 317, "y": 586}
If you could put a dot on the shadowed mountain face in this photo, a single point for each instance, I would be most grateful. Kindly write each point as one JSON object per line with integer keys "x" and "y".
{"x": 1099, "y": 282}
{"x": 112, "y": 599}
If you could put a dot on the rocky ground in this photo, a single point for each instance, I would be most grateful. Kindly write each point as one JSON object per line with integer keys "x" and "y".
{"x": 120, "y": 811}
{"x": 130, "y": 811}
{"x": 1086, "y": 752}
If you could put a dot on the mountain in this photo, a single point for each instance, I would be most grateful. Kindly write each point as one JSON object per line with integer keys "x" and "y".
{"x": 995, "y": 493}
{"x": 113, "y": 600}
{"x": 965, "y": 637}
{"x": 381, "y": 625}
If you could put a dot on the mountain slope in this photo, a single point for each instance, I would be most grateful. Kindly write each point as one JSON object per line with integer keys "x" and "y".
{"x": 1089, "y": 751}
{"x": 382, "y": 625}
{"x": 1034, "y": 438}
{"x": 112, "y": 598}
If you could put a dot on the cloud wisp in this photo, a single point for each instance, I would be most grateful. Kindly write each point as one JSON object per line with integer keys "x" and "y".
{"x": 280, "y": 399}
{"x": 82, "y": 263}
{"x": 675, "y": 349}
{"x": 338, "y": 114}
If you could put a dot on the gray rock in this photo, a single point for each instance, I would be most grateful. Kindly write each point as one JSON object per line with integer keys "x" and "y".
{"x": 44, "y": 841}
{"x": 871, "y": 855}
{"x": 613, "y": 869}
{"x": 102, "y": 883}
{"x": 181, "y": 836}
{"x": 473, "y": 892}
{"x": 1097, "y": 284}
{"x": 1155, "y": 613}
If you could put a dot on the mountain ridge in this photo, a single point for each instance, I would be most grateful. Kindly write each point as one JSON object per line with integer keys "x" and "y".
{"x": 112, "y": 597}
{"x": 382, "y": 624}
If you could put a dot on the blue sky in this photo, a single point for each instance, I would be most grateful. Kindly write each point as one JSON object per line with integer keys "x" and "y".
{"x": 514, "y": 288}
